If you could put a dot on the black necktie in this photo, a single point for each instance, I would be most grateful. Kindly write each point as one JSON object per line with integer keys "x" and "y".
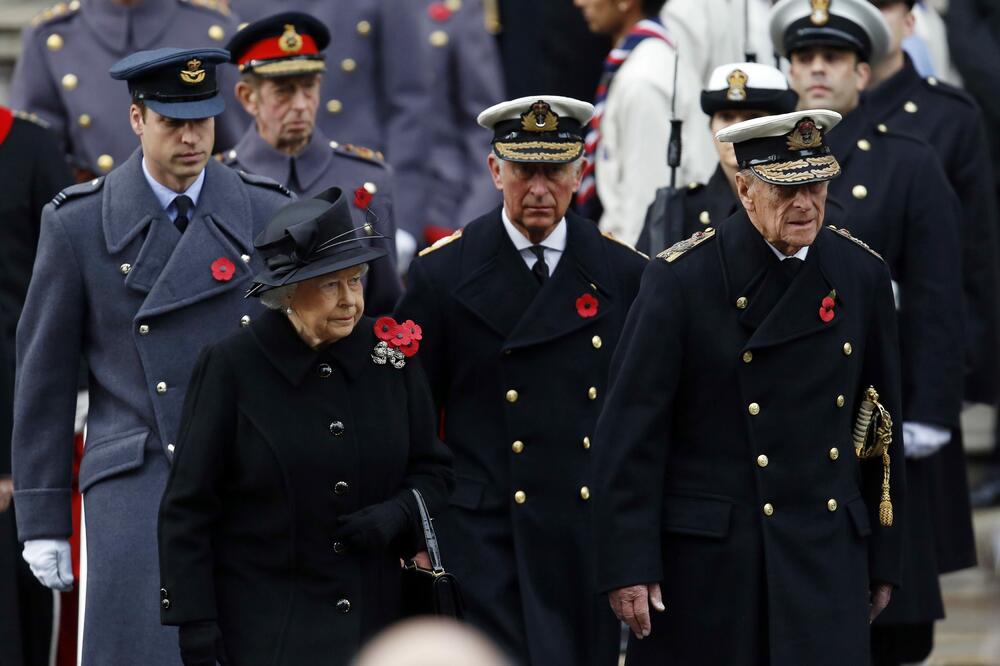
{"x": 791, "y": 266}
{"x": 184, "y": 206}
{"x": 540, "y": 269}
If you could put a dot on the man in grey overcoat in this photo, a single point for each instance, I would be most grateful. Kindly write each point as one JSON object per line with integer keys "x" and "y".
{"x": 136, "y": 272}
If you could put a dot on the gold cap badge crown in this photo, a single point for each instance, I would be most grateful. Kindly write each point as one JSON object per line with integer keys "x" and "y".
{"x": 805, "y": 135}
{"x": 737, "y": 81}
{"x": 539, "y": 118}
{"x": 192, "y": 74}
{"x": 291, "y": 41}
{"x": 820, "y": 11}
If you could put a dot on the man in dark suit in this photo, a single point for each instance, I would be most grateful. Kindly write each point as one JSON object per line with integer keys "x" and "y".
{"x": 732, "y": 498}
{"x": 136, "y": 272}
{"x": 520, "y": 312}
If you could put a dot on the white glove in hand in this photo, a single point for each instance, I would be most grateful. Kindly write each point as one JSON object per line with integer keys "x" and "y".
{"x": 51, "y": 562}
{"x": 922, "y": 439}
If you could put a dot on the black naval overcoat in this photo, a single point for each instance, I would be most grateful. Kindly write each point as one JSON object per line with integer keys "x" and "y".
{"x": 728, "y": 470}
{"x": 278, "y": 441}
{"x": 519, "y": 375}
{"x": 898, "y": 200}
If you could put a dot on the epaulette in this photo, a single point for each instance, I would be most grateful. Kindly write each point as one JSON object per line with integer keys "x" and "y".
{"x": 58, "y": 11}
{"x": 847, "y": 234}
{"x": 611, "y": 237}
{"x": 227, "y": 157}
{"x": 219, "y": 6}
{"x": 30, "y": 117}
{"x": 77, "y": 191}
{"x": 360, "y": 152}
{"x": 263, "y": 181}
{"x": 441, "y": 242}
{"x": 679, "y": 248}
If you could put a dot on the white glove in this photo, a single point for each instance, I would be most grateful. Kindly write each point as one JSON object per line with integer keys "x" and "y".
{"x": 922, "y": 439}
{"x": 51, "y": 562}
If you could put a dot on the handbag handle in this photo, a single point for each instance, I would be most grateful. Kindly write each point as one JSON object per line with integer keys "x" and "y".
{"x": 430, "y": 538}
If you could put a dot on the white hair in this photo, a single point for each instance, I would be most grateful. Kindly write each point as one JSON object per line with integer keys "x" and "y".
{"x": 280, "y": 298}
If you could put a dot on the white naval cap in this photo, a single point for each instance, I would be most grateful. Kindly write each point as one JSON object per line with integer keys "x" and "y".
{"x": 538, "y": 128}
{"x": 748, "y": 85}
{"x": 850, "y": 24}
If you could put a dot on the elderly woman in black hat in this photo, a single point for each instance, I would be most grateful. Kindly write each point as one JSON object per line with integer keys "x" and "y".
{"x": 289, "y": 507}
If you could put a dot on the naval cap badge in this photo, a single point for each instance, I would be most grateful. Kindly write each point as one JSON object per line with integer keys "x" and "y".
{"x": 737, "y": 81}
{"x": 820, "y": 11}
{"x": 539, "y": 118}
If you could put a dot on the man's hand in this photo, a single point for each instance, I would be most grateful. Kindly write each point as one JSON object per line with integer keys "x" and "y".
{"x": 881, "y": 594}
{"x": 631, "y": 605}
{"x": 51, "y": 562}
{"x": 6, "y": 492}
{"x": 422, "y": 560}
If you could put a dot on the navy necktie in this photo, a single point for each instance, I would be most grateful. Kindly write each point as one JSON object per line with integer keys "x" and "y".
{"x": 540, "y": 269}
{"x": 184, "y": 206}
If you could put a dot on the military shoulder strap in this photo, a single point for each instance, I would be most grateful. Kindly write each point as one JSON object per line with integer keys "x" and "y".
{"x": 611, "y": 237}
{"x": 359, "y": 152}
{"x": 30, "y": 117}
{"x": 857, "y": 241}
{"x": 218, "y": 6}
{"x": 77, "y": 191}
{"x": 60, "y": 10}
{"x": 679, "y": 249}
{"x": 440, "y": 243}
{"x": 263, "y": 181}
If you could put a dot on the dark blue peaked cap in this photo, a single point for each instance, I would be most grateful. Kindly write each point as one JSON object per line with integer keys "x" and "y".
{"x": 175, "y": 83}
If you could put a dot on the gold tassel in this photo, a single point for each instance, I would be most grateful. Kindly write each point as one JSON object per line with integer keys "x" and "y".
{"x": 872, "y": 437}
{"x": 885, "y": 505}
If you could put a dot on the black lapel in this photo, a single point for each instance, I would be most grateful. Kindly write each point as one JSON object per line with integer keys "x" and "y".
{"x": 888, "y": 98}
{"x": 721, "y": 199}
{"x": 582, "y": 270}
{"x": 495, "y": 284}
{"x": 745, "y": 260}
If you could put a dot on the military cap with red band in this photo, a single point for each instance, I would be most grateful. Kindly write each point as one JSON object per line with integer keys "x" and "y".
{"x": 286, "y": 44}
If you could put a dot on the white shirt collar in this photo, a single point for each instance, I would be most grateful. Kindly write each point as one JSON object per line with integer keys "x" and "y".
{"x": 166, "y": 196}
{"x": 801, "y": 254}
{"x": 555, "y": 240}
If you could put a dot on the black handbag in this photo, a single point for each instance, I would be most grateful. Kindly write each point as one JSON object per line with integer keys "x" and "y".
{"x": 431, "y": 591}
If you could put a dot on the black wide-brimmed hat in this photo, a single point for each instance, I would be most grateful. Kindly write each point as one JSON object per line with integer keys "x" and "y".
{"x": 312, "y": 237}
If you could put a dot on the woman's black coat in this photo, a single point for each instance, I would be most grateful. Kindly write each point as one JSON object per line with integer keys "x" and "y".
{"x": 278, "y": 441}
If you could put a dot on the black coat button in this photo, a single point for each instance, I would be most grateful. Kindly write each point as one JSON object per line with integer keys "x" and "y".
{"x": 324, "y": 370}
{"x": 165, "y": 603}
{"x": 341, "y": 488}
{"x": 339, "y": 547}
{"x": 343, "y": 606}
{"x": 337, "y": 428}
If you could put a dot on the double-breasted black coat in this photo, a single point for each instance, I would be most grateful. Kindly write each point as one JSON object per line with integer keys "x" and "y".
{"x": 729, "y": 474}
{"x": 277, "y": 442}
{"x": 519, "y": 373}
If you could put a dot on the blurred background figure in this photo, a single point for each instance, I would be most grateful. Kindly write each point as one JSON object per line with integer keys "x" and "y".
{"x": 430, "y": 642}
{"x": 705, "y": 41}
{"x": 67, "y": 51}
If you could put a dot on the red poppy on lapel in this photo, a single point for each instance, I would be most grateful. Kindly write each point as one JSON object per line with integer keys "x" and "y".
{"x": 398, "y": 341}
{"x": 362, "y": 198}
{"x": 826, "y": 306}
{"x": 410, "y": 348}
{"x": 439, "y": 12}
{"x": 416, "y": 333}
{"x": 586, "y": 306}
{"x": 223, "y": 269}
{"x": 384, "y": 326}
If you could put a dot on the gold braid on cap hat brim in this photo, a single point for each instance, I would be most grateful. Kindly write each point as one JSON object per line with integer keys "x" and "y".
{"x": 288, "y": 67}
{"x": 562, "y": 151}
{"x": 799, "y": 171}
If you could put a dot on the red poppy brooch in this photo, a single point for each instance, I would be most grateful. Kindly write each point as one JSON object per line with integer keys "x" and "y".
{"x": 439, "y": 11}
{"x": 397, "y": 342}
{"x": 362, "y": 197}
{"x": 586, "y": 306}
{"x": 826, "y": 306}
{"x": 223, "y": 269}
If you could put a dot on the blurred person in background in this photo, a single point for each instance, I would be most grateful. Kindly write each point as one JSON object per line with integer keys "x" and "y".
{"x": 430, "y": 642}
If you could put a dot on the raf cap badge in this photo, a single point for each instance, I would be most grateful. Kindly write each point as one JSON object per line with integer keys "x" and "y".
{"x": 192, "y": 74}
{"x": 291, "y": 41}
{"x": 737, "y": 81}
{"x": 539, "y": 118}
{"x": 820, "y": 12}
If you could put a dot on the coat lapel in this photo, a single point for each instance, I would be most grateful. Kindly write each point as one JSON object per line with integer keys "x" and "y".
{"x": 581, "y": 270}
{"x": 498, "y": 287}
{"x": 746, "y": 260}
{"x": 222, "y": 228}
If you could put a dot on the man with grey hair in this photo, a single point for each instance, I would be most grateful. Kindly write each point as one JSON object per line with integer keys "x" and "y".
{"x": 520, "y": 312}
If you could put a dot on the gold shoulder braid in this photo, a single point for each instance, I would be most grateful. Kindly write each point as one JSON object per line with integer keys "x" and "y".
{"x": 872, "y": 437}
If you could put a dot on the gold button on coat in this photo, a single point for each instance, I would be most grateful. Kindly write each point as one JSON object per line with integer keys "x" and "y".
{"x": 334, "y": 106}
{"x": 881, "y": 127}
{"x": 704, "y": 217}
{"x": 834, "y": 453}
{"x": 754, "y": 409}
{"x": 742, "y": 302}
{"x": 453, "y": 5}
{"x": 70, "y": 81}
{"x": 105, "y": 162}
{"x": 864, "y": 144}
{"x": 54, "y": 42}
{"x": 840, "y": 401}
{"x": 831, "y": 505}
{"x": 762, "y": 460}
{"x": 348, "y": 64}
{"x": 747, "y": 356}
{"x": 585, "y": 493}
{"x": 439, "y": 38}
{"x": 125, "y": 268}
{"x": 161, "y": 387}
{"x": 592, "y": 393}
{"x": 910, "y": 107}
{"x": 245, "y": 258}
{"x": 596, "y": 341}
{"x": 768, "y": 509}
{"x": 520, "y": 497}
{"x": 143, "y": 329}
{"x": 517, "y": 446}
{"x": 363, "y": 27}
{"x": 586, "y": 442}
{"x": 370, "y": 187}
{"x": 84, "y": 120}
{"x": 216, "y": 33}
{"x": 512, "y": 396}
{"x": 848, "y": 349}
{"x": 245, "y": 321}
{"x": 170, "y": 448}
{"x": 859, "y": 191}
{"x": 931, "y": 80}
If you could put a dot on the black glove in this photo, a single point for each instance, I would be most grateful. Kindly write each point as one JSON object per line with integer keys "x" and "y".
{"x": 201, "y": 644}
{"x": 374, "y": 527}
